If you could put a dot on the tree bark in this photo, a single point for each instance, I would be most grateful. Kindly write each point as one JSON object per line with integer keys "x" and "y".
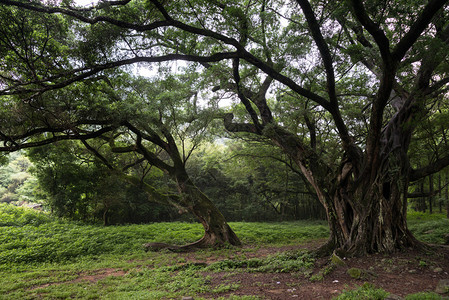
{"x": 366, "y": 214}
{"x": 431, "y": 194}
{"x": 217, "y": 232}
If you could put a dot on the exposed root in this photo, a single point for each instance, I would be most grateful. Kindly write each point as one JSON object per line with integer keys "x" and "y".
{"x": 326, "y": 249}
{"x": 204, "y": 242}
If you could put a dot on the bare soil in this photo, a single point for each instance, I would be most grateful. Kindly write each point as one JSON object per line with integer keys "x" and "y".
{"x": 400, "y": 274}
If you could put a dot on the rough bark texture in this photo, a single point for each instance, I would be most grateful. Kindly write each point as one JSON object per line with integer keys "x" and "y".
{"x": 366, "y": 214}
{"x": 217, "y": 232}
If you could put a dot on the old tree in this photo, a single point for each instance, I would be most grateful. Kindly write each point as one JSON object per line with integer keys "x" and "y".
{"x": 340, "y": 86}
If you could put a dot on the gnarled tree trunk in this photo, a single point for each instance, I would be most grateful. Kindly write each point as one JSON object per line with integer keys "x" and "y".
{"x": 372, "y": 216}
{"x": 366, "y": 205}
{"x": 217, "y": 232}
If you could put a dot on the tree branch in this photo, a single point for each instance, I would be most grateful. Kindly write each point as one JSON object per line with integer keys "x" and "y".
{"x": 379, "y": 36}
{"x": 89, "y": 71}
{"x": 314, "y": 28}
{"x": 56, "y": 138}
{"x": 237, "y": 127}
{"x": 432, "y": 168}
{"x": 427, "y": 14}
{"x": 241, "y": 51}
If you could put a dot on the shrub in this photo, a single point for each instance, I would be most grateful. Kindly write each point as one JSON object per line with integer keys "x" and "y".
{"x": 11, "y": 215}
{"x": 365, "y": 292}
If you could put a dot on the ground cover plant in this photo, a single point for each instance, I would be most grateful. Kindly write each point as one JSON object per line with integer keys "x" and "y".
{"x": 54, "y": 259}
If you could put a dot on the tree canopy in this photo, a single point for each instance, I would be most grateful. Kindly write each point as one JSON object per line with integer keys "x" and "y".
{"x": 344, "y": 89}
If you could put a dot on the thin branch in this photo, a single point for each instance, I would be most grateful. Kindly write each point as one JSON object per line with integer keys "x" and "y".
{"x": 97, "y": 154}
{"x": 379, "y": 36}
{"x": 322, "y": 47}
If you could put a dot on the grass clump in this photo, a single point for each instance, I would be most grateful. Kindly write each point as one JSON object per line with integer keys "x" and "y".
{"x": 284, "y": 233}
{"x": 370, "y": 292}
{"x": 364, "y": 292}
{"x": 292, "y": 261}
{"x": 424, "y": 296}
{"x": 435, "y": 230}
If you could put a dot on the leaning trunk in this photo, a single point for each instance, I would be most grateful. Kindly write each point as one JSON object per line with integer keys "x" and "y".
{"x": 217, "y": 232}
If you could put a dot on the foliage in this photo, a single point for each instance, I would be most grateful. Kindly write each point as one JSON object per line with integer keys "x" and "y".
{"x": 77, "y": 187}
{"x": 370, "y": 292}
{"x": 424, "y": 296}
{"x": 252, "y": 181}
{"x": 57, "y": 258}
{"x": 286, "y": 262}
{"x": 365, "y": 292}
{"x": 348, "y": 93}
{"x": 292, "y": 232}
{"x": 414, "y": 217}
{"x": 20, "y": 216}
{"x": 433, "y": 231}
{"x": 17, "y": 185}
{"x": 34, "y": 237}
{"x": 61, "y": 241}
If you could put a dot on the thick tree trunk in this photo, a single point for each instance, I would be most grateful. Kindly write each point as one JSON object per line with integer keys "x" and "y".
{"x": 368, "y": 221}
{"x": 217, "y": 232}
{"x": 370, "y": 216}
{"x": 366, "y": 214}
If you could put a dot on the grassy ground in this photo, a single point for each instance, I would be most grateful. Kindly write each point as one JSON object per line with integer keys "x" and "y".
{"x": 42, "y": 258}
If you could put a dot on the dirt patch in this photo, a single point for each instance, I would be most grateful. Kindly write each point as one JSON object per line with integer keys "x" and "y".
{"x": 98, "y": 275}
{"x": 91, "y": 276}
{"x": 400, "y": 274}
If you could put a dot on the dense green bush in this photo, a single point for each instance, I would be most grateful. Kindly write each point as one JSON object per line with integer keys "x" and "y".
{"x": 11, "y": 215}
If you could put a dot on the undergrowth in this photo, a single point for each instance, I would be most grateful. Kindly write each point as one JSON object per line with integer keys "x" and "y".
{"x": 429, "y": 228}
{"x": 369, "y": 292}
{"x": 41, "y": 257}
{"x": 291, "y": 261}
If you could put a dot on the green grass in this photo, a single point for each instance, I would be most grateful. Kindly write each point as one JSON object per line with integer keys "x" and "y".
{"x": 365, "y": 292}
{"x": 430, "y": 228}
{"x": 280, "y": 233}
{"x": 284, "y": 262}
{"x": 11, "y": 215}
{"x": 370, "y": 292}
{"x": 33, "y": 237}
{"x": 41, "y": 257}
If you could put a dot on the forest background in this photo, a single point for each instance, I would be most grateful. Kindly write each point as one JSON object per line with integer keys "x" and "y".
{"x": 348, "y": 101}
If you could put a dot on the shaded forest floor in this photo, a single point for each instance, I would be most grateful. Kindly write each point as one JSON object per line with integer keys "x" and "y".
{"x": 46, "y": 258}
{"x": 399, "y": 274}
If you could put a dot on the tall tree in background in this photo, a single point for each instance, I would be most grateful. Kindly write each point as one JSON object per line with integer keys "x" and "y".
{"x": 355, "y": 77}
